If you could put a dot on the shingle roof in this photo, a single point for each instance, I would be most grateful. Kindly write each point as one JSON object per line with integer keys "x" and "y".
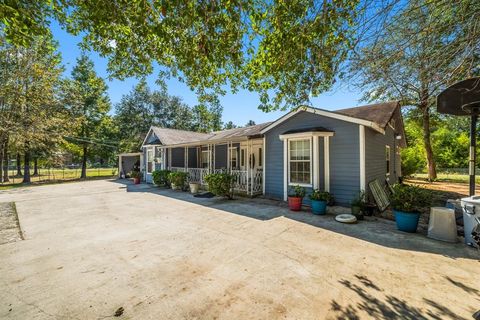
{"x": 239, "y": 132}
{"x": 380, "y": 113}
{"x": 174, "y": 136}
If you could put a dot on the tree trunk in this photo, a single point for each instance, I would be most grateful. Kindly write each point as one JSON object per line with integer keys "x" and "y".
{"x": 84, "y": 163}
{"x": 1, "y": 161}
{"x": 26, "y": 166}
{"x": 5, "y": 161}
{"x": 19, "y": 165}
{"x": 432, "y": 170}
{"x": 35, "y": 166}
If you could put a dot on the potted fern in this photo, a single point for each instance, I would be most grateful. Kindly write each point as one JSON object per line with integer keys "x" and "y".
{"x": 177, "y": 180}
{"x": 358, "y": 205}
{"x": 319, "y": 200}
{"x": 295, "y": 198}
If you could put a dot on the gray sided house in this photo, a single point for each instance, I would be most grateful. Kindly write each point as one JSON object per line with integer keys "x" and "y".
{"x": 337, "y": 151}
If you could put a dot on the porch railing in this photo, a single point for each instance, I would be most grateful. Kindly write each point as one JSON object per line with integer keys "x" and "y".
{"x": 243, "y": 183}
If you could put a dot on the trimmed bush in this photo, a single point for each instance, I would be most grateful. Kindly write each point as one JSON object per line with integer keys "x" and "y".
{"x": 410, "y": 198}
{"x": 160, "y": 177}
{"x": 221, "y": 184}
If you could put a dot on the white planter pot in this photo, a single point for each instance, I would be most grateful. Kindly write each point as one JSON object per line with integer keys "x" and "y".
{"x": 194, "y": 187}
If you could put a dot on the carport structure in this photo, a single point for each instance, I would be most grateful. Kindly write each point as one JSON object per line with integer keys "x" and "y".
{"x": 126, "y": 162}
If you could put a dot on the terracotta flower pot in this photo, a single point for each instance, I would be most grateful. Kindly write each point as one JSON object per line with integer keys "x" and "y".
{"x": 136, "y": 180}
{"x": 295, "y": 203}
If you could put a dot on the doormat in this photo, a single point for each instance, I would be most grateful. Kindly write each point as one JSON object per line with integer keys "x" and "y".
{"x": 9, "y": 225}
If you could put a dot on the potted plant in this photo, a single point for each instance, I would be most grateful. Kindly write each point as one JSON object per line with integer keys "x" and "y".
{"x": 319, "y": 200}
{"x": 358, "y": 205}
{"x": 295, "y": 198}
{"x": 194, "y": 187}
{"x": 408, "y": 201}
{"x": 137, "y": 176}
{"x": 177, "y": 180}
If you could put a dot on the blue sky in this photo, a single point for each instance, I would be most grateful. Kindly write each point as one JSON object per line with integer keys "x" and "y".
{"x": 239, "y": 107}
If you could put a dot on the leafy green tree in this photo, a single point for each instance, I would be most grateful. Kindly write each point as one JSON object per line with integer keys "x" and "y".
{"x": 31, "y": 115}
{"x": 142, "y": 108}
{"x": 88, "y": 102}
{"x": 285, "y": 50}
{"x": 422, "y": 49}
{"x": 250, "y": 123}
{"x": 229, "y": 125}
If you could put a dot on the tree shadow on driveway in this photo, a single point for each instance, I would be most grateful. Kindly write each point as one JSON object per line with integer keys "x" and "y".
{"x": 375, "y": 230}
{"x": 371, "y": 300}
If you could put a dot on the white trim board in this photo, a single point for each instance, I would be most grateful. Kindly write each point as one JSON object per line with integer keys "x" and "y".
{"x": 306, "y": 134}
{"x": 361, "y": 134}
{"x": 325, "y": 113}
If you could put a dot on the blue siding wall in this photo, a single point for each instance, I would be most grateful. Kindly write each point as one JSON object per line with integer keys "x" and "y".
{"x": 375, "y": 156}
{"x": 344, "y": 156}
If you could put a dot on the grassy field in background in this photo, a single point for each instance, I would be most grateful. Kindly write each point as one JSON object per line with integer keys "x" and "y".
{"x": 58, "y": 175}
{"x": 448, "y": 177}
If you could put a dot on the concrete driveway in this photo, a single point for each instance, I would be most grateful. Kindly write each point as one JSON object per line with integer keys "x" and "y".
{"x": 93, "y": 247}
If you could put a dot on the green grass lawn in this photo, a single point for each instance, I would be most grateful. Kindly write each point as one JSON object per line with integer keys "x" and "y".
{"x": 59, "y": 175}
{"x": 448, "y": 177}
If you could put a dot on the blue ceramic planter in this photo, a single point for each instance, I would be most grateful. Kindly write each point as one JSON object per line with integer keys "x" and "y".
{"x": 319, "y": 207}
{"x": 406, "y": 221}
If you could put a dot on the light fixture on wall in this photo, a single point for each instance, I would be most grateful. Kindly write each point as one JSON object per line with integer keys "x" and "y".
{"x": 398, "y": 136}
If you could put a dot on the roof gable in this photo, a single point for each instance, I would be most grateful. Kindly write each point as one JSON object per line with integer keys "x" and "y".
{"x": 374, "y": 116}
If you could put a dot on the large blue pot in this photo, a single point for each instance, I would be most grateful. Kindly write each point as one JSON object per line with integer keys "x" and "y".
{"x": 406, "y": 221}
{"x": 319, "y": 207}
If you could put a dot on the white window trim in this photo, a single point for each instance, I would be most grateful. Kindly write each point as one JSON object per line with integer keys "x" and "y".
{"x": 308, "y": 185}
{"x": 389, "y": 158}
{"x": 233, "y": 150}
{"x": 150, "y": 151}
{"x": 208, "y": 158}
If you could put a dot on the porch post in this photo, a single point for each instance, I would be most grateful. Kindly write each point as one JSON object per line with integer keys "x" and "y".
{"x": 169, "y": 158}
{"x": 228, "y": 157}
{"x": 213, "y": 156}
{"x": 326, "y": 156}
{"x": 186, "y": 159}
{"x": 264, "y": 163}
{"x": 361, "y": 134}
{"x": 315, "y": 159}
{"x": 285, "y": 169}
{"x": 249, "y": 176}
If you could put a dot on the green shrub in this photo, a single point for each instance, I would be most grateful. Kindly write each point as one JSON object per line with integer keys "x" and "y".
{"x": 160, "y": 177}
{"x": 178, "y": 178}
{"x": 318, "y": 195}
{"x": 410, "y": 198}
{"x": 297, "y": 192}
{"x": 220, "y": 184}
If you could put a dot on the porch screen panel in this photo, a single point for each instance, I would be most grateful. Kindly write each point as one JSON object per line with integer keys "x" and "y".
{"x": 300, "y": 161}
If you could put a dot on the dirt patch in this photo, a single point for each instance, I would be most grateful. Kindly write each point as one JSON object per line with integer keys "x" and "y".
{"x": 9, "y": 225}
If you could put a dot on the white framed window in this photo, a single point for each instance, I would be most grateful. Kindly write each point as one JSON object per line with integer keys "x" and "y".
{"x": 387, "y": 159}
{"x": 205, "y": 158}
{"x": 300, "y": 162}
{"x": 150, "y": 160}
{"x": 233, "y": 157}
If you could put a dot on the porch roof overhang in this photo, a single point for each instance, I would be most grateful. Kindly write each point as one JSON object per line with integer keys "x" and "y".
{"x": 307, "y": 132}
{"x": 212, "y": 141}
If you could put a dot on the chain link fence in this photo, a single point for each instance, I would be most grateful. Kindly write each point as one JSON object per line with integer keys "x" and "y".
{"x": 52, "y": 174}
